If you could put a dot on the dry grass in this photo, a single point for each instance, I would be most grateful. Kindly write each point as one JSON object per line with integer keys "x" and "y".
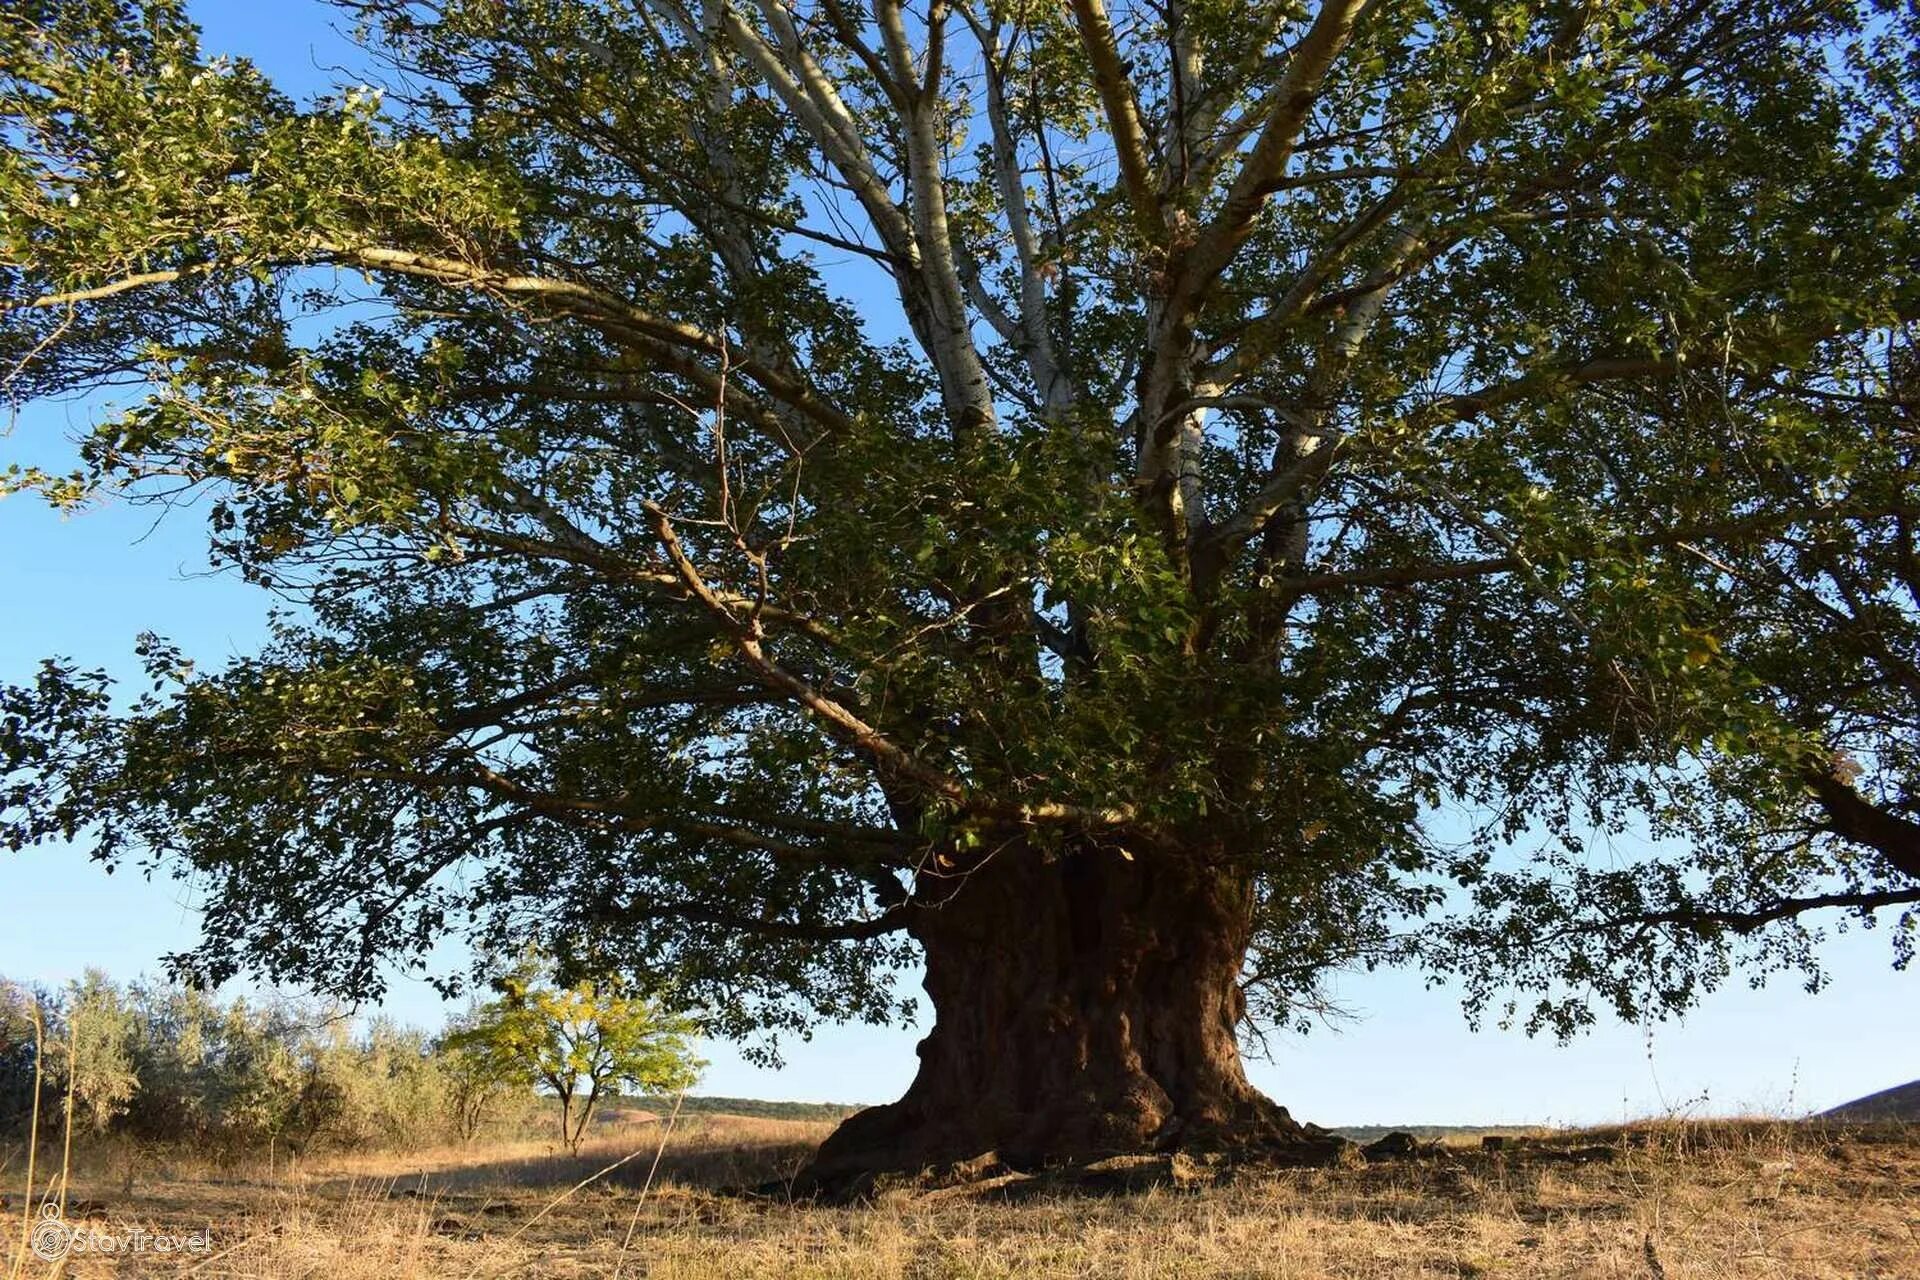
{"x": 1692, "y": 1201}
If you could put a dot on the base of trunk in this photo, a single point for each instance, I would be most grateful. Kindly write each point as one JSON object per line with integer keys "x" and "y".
{"x": 1085, "y": 1007}
{"x": 911, "y": 1139}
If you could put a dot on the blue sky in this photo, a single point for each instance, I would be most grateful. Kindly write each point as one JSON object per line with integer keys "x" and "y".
{"x": 84, "y": 586}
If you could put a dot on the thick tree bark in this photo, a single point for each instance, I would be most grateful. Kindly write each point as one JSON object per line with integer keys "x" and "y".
{"x": 1085, "y": 1005}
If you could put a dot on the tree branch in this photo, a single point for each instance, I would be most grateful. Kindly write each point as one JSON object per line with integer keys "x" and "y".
{"x": 1122, "y": 113}
{"x": 892, "y": 758}
{"x": 1286, "y": 486}
{"x": 1851, "y": 816}
{"x": 1705, "y": 919}
{"x": 1262, "y": 171}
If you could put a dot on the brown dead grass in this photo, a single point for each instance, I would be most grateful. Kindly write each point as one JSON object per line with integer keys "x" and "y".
{"x": 1677, "y": 1201}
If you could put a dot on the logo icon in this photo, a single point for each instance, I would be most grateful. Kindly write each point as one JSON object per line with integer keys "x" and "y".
{"x": 52, "y": 1238}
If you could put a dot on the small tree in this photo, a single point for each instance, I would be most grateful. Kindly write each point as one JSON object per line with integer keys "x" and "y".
{"x": 474, "y": 1075}
{"x": 95, "y": 1050}
{"x": 584, "y": 1042}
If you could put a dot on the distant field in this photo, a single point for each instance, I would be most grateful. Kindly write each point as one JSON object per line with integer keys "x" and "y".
{"x": 1427, "y": 1132}
{"x": 1670, "y": 1201}
{"x": 622, "y": 1108}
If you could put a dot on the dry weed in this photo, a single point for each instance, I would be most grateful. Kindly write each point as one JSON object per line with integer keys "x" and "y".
{"x": 1677, "y": 1201}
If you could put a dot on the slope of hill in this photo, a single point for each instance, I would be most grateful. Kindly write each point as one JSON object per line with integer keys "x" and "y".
{"x": 1902, "y": 1102}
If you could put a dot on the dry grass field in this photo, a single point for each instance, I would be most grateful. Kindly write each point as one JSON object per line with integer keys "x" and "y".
{"x": 1670, "y": 1201}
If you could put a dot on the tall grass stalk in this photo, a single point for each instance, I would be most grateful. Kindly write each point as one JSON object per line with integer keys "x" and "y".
{"x": 33, "y": 1144}
{"x": 73, "y": 1080}
{"x": 666, "y": 1132}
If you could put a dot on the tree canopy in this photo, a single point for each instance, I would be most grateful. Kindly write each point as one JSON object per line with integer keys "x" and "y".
{"x": 737, "y": 468}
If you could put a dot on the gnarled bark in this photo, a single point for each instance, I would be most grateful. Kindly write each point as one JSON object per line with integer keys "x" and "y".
{"x": 1085, "y": 1006}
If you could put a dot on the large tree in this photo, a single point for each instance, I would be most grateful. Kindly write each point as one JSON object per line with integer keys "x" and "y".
{"x": 1131, "y": 507}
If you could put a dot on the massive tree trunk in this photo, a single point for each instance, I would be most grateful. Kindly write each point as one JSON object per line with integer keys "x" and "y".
{"x": 1085, "y": 1005}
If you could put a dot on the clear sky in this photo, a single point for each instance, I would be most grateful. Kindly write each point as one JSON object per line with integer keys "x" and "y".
{"x": 84, "y": 586}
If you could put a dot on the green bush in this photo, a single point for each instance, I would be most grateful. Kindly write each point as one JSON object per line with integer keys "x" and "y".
{"x": 167, "y": 1065}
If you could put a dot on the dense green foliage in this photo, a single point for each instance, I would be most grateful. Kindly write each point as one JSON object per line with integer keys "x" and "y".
{"x": 737, "y": 468}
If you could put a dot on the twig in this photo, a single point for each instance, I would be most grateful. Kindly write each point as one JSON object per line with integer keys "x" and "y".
{"x": 1654, "y": 1268}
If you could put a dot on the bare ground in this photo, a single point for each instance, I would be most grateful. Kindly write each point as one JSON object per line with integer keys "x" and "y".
{"x": 1668, "y": 1201}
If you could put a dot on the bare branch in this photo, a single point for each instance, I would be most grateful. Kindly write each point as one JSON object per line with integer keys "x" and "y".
{"x": 1123, "y": 117}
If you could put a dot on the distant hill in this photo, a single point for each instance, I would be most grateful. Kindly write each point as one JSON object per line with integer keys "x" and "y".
{"x": 1902, "y": 1102}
